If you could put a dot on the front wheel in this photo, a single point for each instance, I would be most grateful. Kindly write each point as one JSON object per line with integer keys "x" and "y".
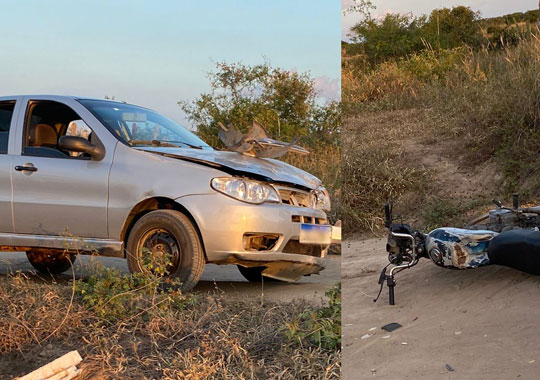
{"x": 51, "y": 262}
{"x": 254, "y": 274}
{"x": 165, "y": 242}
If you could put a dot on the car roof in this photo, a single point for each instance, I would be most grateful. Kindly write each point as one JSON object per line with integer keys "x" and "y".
{"x": 55, "y": 97}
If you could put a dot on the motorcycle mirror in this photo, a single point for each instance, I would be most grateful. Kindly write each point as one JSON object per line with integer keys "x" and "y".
{"x": 498, "y": 203}
{"x": 515, "y": 201}
{"x": 387, "y": 215}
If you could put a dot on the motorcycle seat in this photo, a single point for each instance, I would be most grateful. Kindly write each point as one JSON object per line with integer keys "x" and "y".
{"x": 518, "y": 249}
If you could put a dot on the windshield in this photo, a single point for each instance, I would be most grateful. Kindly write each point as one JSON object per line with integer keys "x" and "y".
{"x": 139, "y": 126}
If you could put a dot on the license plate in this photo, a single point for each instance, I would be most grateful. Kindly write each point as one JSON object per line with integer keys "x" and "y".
{"x": 315, "y": 234}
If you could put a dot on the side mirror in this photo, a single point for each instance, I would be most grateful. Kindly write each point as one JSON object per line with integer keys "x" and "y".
{"x": 388, "y": 215}
{"x": 80, "y": 144}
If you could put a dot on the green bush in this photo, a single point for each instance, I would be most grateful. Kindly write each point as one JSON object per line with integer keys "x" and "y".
{"x": 392, "y": 37}
{"x": 448, "y": 28}
{"x": 398, "y": 36}
{"x": 433, "y": 65}
{"x": 114, "y": 296}
{"x": 319, "y": 327}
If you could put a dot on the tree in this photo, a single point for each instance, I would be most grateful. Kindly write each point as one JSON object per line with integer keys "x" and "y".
{"x": 397, "y": 35}
{"x": 363, "y": 7}
{"x": 394, "y": 37}
{"x": 285, "y": 102}
{"x": 449, "y": 28}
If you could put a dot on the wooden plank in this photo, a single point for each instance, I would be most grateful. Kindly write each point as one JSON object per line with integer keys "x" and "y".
{"x": 57, "y": 366}
{"x": 65, "y": 374}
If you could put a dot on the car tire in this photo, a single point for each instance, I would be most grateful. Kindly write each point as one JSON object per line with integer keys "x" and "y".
{"x": 179, "y": 233}
{"x": 50, "y": 262}
{"x": 254, "y": 274}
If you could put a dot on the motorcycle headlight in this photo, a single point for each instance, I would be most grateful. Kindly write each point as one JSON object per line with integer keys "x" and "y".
{"x": 246, "y": 190}
{"x": 321, "y": 199}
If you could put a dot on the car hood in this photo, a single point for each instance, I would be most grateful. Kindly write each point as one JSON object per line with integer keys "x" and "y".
{"x": 236, "y": 163}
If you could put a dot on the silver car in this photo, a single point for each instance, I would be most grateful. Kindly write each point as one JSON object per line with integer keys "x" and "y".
{"x": 81, "y": 175}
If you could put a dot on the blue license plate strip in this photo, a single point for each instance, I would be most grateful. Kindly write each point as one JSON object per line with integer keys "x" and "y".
{"x": 315, "y": 234}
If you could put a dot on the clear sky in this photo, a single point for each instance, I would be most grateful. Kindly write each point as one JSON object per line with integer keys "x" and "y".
{"x": 487, "y": 8}
{"x": 156, "y": 53}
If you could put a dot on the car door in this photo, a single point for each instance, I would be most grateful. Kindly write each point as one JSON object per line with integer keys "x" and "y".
{"x": 58, "y": 193}
{"x": 7, "y": 123}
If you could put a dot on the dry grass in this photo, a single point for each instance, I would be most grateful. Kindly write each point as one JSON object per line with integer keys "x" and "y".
{"x": 376, "y": 167}
{"x": 209, "y": 336}
{"x": 324, "y": 162}
{"x": 477, "y": 112}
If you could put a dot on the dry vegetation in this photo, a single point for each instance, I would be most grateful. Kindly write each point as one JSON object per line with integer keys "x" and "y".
{"x": 324, "y": 162}
{"x": 137, "y": 328}
{"x": 441, "y": 132}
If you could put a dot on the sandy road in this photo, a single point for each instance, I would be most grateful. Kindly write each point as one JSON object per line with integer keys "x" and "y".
{"x": 224, "y": 278}
{"x": 484, "y": 323}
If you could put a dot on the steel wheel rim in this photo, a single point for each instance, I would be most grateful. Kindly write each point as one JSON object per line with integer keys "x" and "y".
{"x": 159, "y": 243}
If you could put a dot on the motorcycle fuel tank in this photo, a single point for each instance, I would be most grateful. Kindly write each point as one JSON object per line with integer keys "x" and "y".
{"x": 459, "y": 248}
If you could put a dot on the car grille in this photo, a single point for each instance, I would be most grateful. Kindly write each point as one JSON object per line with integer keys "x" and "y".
{"x": 295, "y": 197}
{"x": 308, "y": 219}
{"x": 301, "y": 199}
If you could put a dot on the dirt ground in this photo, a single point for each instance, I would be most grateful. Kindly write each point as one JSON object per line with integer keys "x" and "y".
{"x": 482, "y": 323}
{"x": 224, "y": 278}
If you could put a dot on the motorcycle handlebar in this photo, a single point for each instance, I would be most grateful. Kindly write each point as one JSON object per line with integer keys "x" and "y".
{"x": 532, "y": 210}
{"x": 497, "y": 203}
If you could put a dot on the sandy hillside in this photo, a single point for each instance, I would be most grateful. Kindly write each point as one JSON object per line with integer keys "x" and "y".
{"x": 482, "y": 323}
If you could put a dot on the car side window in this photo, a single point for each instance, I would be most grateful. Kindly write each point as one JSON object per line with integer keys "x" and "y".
{"x": 6, "y": 114}
{"x": 46, "y": 122}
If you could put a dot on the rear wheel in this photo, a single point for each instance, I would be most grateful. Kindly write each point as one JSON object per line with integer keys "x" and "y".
{"x": 166, "y": 243}
{"x": 50, "y": 261}
{"x": 254, "y": 274}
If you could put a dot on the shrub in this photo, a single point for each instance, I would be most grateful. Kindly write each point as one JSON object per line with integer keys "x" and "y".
{"x": 398, "y": 36}
{"x": 114, "y": 296}
{"x": 319, "y": 327}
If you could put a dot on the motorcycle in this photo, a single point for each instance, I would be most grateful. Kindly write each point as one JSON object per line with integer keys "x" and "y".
{"x": 508, "y": 236}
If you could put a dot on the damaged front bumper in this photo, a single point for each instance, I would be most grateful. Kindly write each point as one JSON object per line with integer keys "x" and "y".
{"x": 288, "y": 267}
{"x": 266, "y": 235}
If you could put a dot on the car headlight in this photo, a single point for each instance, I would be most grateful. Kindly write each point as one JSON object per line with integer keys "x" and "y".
{"x": 246, "y": 190}
{"x": 320, "y": 199}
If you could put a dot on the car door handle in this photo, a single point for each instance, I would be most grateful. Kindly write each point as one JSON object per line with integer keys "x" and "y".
{"x": 26, "y": 167}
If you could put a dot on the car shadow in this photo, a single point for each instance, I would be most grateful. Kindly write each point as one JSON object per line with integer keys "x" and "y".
{"x": 216, "y": 278}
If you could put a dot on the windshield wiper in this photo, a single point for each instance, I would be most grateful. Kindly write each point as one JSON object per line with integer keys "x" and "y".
{"x": 151, "y": 142}
{"x": 162, "y": 143}
{"x": 185, "y": 143}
